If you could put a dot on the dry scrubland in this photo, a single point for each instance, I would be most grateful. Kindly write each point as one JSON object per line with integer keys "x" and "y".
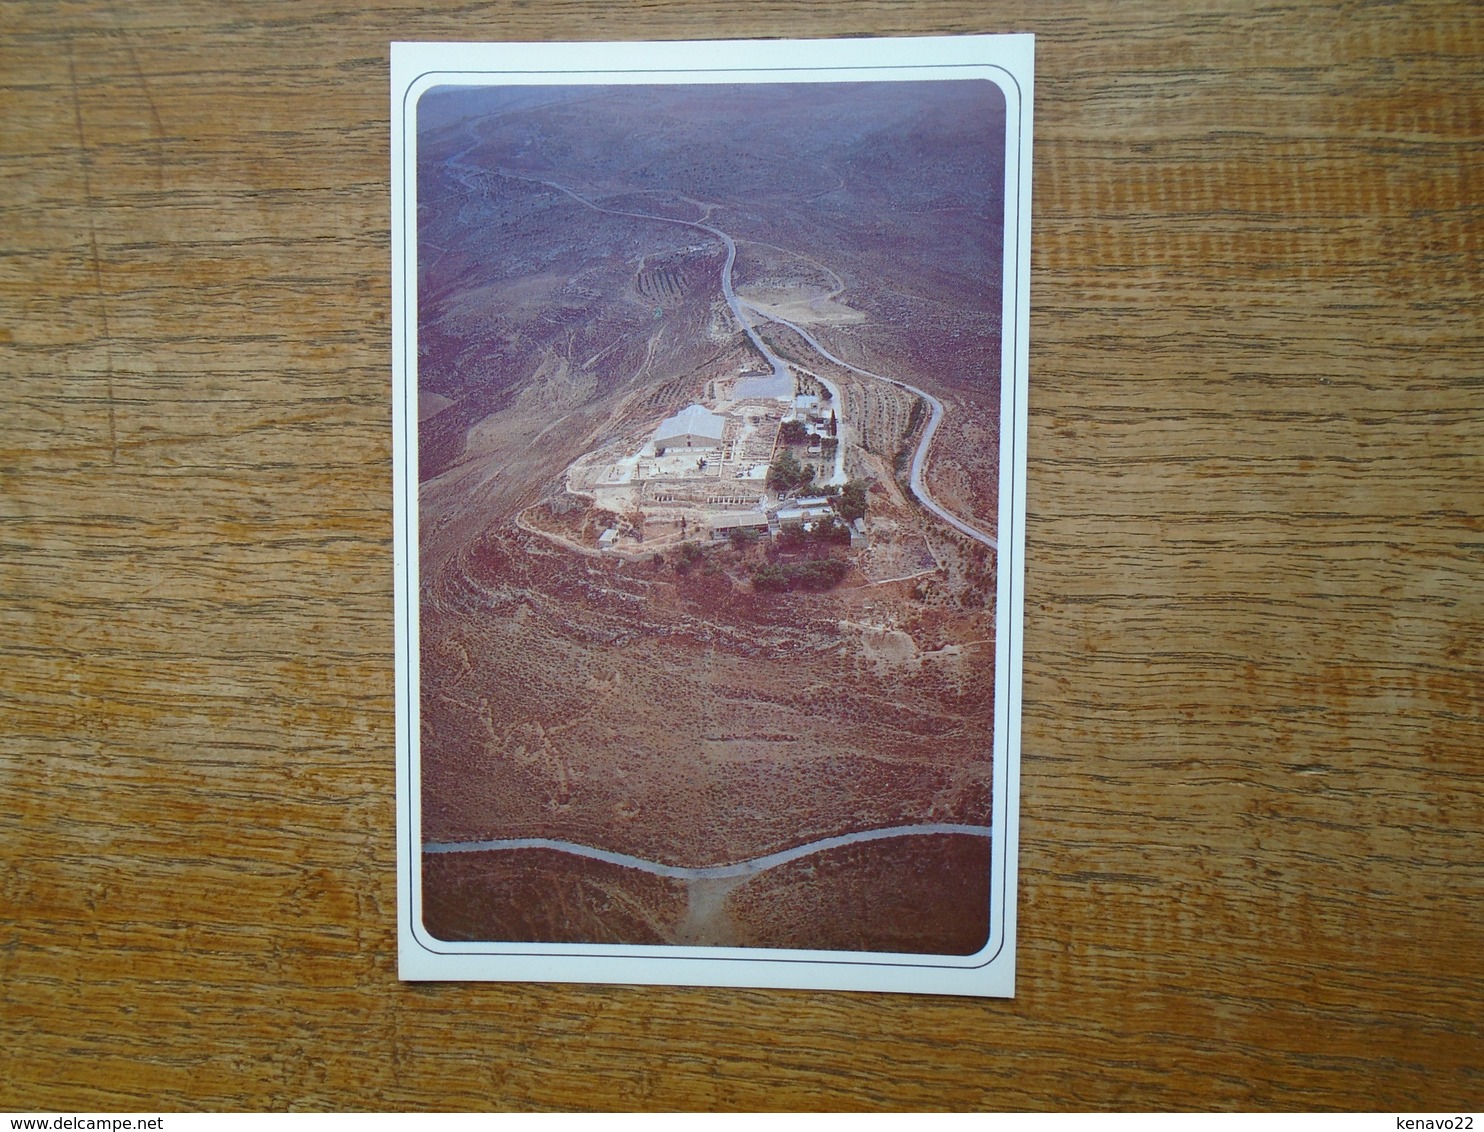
{"x": 900, "y": 895}
{"x": 665, "y": 707}
{"x": 690, "y": 721}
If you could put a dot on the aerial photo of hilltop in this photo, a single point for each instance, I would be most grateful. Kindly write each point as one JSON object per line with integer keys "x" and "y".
{"x": 708, "y": 442}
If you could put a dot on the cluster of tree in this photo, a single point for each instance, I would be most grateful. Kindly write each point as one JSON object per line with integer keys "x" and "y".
{"x": 687, "y": 556}
{"x": 902, "y": 463}
{"x": 816, "y": 574}
{"x": 793, "y": 432}
{"x": 742, "y": 537}
{"x": 851, "y": 502}
{"x": 794, "y": 537}
{"x": 787, "y": 474}
{"x": 797, "y": 432}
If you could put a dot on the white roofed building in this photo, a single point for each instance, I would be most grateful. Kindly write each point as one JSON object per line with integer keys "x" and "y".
{"x": 693, "y": 427}
{"x": 723, "y": 525}
{"x": 803, "y": 510}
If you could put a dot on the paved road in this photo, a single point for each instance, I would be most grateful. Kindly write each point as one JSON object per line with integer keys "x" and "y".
{"x": 709, "y": 872}
{"x": 919, "y": 458}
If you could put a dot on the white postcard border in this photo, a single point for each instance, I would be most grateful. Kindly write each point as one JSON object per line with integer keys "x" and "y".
{"x": 1005, "y": 60}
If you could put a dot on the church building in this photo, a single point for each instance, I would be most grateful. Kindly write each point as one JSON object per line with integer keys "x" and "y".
{"x": 693, "y": 427}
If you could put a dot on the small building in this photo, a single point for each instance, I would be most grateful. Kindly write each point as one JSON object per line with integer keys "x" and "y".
{"x": 608, "y": 538}
{"x": 858, "y": 534}
{"x": 695, "y": 426}
{"x": 723, "y": 525}
{"x": 806, "y": 510}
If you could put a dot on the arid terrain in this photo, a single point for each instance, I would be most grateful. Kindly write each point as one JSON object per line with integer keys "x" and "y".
{"x": 585, "y": 256}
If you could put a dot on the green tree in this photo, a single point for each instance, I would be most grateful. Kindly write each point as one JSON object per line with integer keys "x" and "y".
{"x": 786, "y": 474}
{"x": 742, "y": 537}
{"x": 770, "y": 578}
{"x": 852, "y": 502}
{"x": 793, "y": 432}
{"x": 816, "y": 574}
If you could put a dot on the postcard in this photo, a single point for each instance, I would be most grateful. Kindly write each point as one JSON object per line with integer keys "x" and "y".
{"x": 710, "y": 379}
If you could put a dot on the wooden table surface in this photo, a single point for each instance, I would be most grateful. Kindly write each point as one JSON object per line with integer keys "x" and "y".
{"x": 1253, "y": 789}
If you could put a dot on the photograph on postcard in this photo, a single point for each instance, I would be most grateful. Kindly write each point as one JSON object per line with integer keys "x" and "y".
{"x": 708, "y": 481}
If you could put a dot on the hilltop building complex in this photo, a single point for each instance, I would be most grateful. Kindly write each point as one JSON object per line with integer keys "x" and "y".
{"x": 703, "y": 472}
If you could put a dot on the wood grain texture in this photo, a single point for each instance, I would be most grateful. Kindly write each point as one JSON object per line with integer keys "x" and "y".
{"x": 1253, "y": 787}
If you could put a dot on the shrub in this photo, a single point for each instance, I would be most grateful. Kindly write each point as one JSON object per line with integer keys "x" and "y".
{"x": 820, "y": 574}
{"x": 816, "y": 574}
{"x": 793, "y": 432}
{"x": 852, "y": 501}
{"x": 787, "y": 475}
{"x": 770, "y": 578}
{"x": 833, "y": 531}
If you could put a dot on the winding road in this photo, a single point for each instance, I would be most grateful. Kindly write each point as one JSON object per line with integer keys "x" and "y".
{"x": 708, "y": 872}
{"x": 756, "y": 865}
{"x": 780, "y": 368}
{"x": 919, "y": 458}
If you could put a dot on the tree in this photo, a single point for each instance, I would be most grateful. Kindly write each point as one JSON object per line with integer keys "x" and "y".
{"x": 852, "y": 502}
{"x": 793, "y": 432}
{"x": 821, "y": 573}
{"x": 786, "y": 474}
{"x": 769, "y": 578}
{"x": 816, "y": 574}
{"x": 791, "y": 537}
{"x": 833, "y": 531}
{"x": 688, "y": 555}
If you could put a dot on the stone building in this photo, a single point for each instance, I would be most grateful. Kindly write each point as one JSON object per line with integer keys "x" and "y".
{"x": 693, "y": 427}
